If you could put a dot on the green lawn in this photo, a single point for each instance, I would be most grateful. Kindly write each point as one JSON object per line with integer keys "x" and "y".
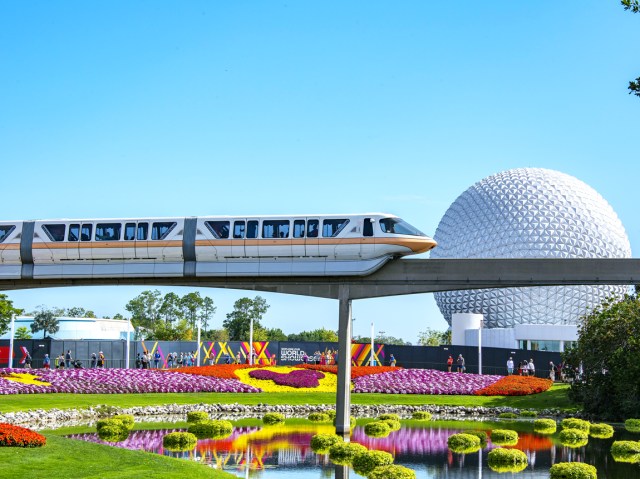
{"x": 556, "y": 397}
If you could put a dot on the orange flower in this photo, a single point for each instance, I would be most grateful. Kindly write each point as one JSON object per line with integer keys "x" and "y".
{"x": 515, "y": 386}
{"x": 16, "y": 436}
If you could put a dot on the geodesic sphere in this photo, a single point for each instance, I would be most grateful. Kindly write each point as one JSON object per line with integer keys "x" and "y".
{"x": 529, "y": 213}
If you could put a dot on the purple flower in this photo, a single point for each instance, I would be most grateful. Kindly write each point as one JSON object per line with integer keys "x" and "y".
{"x": 300, "y": 378}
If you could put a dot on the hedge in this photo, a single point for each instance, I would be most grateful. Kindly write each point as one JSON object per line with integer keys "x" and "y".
{"x": 507, "y": 460}
{"x": 504, "y": 437}
{"x": 320, "y": 443}
{"x": 179, "y": 441}
{"x": 626, "y": 451}
{"x": 544, "y": 426}
{"x": 422, "y": 415}
{"x": 392, "y": 472}
{"x": 573, "y": 437}
{"x": 507, "y": 415}
{"x": 575, "y": 423}
{"x": 342, "y": 453}
{"x": 211, "y": 429}
{"x": 601, "y": 431}
{"x": 463, "y": 443}
{"x": 318, "y": 417}
{"x": 366, "y": 461}
{"x": 272, "y": 418}
{"x": 572, "y": 470}
{"x": 632, "y": 425}
{"x": 482, "y": 435}
{"x": 384, "y": 417}
{"x": 197, "y": 416}
{"x": 528, "y": 414}
{"x": 377, "y": 429}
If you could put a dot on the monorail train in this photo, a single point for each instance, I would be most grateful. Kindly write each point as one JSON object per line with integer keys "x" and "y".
{"x": 316, "y": 245}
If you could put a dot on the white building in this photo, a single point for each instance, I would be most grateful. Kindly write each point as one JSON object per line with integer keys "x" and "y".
{"x": 79, "y": 328}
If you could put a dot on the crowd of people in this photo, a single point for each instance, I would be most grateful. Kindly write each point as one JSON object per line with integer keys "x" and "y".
{"x": 328, "y": 358}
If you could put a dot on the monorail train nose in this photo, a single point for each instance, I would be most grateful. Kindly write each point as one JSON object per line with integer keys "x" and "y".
{"x": 421, "y": 244}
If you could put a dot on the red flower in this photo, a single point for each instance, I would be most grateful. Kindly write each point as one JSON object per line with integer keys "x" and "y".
{"x": 515, "y": 386}
{"x": 16, "y": 436}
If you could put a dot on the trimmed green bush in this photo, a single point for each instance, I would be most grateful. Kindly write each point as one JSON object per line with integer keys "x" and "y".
{"x": 528, "y": 414}
{"x": 507, "y": 415}
{"x": 272, "y": 418}
{"x": 392, "y": 471}
{"x": 544, "y": 426}
{"x": 625, "y": 447}
{"x": 507, "y": 460}
{"x": 179, "y": 441}
{"x": 463, "y": 443}
{"x": 320, "y": 443}
{"x": 318, "y": 417}
{"x": 126, "y": 419}
{"x": 366, "y": 461}
{"x": 342, "y": 453}
{"x": 482, "y": 435}
{"x": 575, "y": 423}
{"x": 422, "y": 415}
{"x": 331, "y": 413}
{"x": 601, "y": 431}
{"x": 393, "y": 425}
{"x": 384, "y": 417}
{"x": 573, "y": 437}
{"x": 211, "y": 429}
{"x": 112, "y": 430}
{"x": 504, "y": 437}
{"x": 632, "y": 425}
{"x": 572, "y": 470}
{"x": 197, "y": 416}
{"x": 377, "y": 429}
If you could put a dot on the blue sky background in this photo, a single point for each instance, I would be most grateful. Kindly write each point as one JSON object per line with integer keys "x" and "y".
{"x": 159, "y": 108}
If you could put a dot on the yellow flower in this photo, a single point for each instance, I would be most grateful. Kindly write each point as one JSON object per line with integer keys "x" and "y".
{"x": 26, "y": 378}
{"x": 327, "y": 384}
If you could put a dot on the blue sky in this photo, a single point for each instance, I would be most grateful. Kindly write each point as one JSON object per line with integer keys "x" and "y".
{"x": 158, "y": 108}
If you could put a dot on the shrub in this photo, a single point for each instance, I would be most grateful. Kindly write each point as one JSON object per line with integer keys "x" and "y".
{"x": 126, "y": 419}
{"x": 16, "y": 436}
{"x": 318, "y": 417}
{"x": 507, "y": 460}
{"x": 573, "y": 437}
{"x": 507, "y": 415}
{"x": 625, "y": 447}
{"x": 366, "y": 461}
{"x": 575, "y": 423}
{"x": 384, "y": 417}
{"x": 179, "y": 441}
{"x": 482, "y": 435}
{"x": 377, "y": 429}
{"x": 211, "y": 429}
{"x": 601, "y": 431}
{"x": 572, "y": 470}
{"x": 463, "y": 443}
{"x": 352, "y": 422}
{"x": 422, "y": 415}
{"x": 504, "y": 437}
{"x": 392, "y": 471}
{"x": 393, "y": 425}
{"x": 528, "y": 414}
{"x": 272, "y": 418}
{"x": 320, "y": 443}
{"x": 342, "y": 453}
{"x": 544, "y": 426}
{"x": 632, "y": 425}
{"x": 197, "y": 416}
{"x": 331, "y": 413}
{"x": 113, "y": 431}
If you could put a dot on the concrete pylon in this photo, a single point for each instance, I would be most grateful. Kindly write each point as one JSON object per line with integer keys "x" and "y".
{"x": 343, "y": 398}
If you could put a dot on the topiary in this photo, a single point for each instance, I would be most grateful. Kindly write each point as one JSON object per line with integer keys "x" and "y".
{"x": 626, "y": 451}
{"x": 179, "y": 441}
{"x": 572, "y": 470}
{"x": 507, "y": 415}
{"x": 632, "y": 425}
{"x": 126, "y": 419}
{"x": 320, "y": 443}
{"x": 211, "y": 429}
{"x": 575, "y": 423}
{"x": 528, "y": 414}
{"x": 392, "y": 471}
{"x": 507, "y": 460}
{"x": 272, "y": 418}
{"x": 504, "y": 437}
{"x": 544, "y": 426}
{"x": 573, "y": 437}
{"x": 342, "y": 453}
{"x": 331, "y": 413}
{"x": 463, "y": 443}
{"x": 377, "y": 429}
{"x": 197, "y": 416}
{"x": 365, "y": 462}
{"x": 318, "y": 417}
{"x": 601, "y": 431}
{"x": 482, "y": 435}
{"x": 112, "y": 430}
{"x": 422, "y": 415}
{"x": 393, "y": 425}
{"x": 384, "y": 417}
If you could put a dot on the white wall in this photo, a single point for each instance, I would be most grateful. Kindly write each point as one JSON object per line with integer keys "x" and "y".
{"x": 460, "y": 322}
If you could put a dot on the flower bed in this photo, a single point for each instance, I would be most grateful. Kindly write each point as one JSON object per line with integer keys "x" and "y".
{"x": 356, "y": 371}
{"x": 299, "y": 378}
{"x": 114, "y": 381}
{"x": 16, "y": 436}
{"x": 422, "y": 381}
{"x": 223, "y": 371}
{"x": 515, "y": 386}
{"x": 328, "y": 383}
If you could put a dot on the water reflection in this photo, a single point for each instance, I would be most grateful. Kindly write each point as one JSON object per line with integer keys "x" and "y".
{"x": 284, "y": 452}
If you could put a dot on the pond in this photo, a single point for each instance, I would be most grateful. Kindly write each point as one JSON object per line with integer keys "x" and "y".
{"x": 283, "y": 451}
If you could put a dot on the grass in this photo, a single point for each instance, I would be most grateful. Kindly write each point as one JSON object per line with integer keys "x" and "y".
{"x": 63, "y": 458}
{"x": 556, "y": 397}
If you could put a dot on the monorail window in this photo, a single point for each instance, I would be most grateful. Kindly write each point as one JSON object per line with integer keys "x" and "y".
{"x": 220, "y": 229}
{"x": 298, "y": 229}
{"x": 74, "y": 232}
{"x": 108, "y": 231}
{"x": 238, "y": 229}
{"x": 367, "y": 227}
{"x": 129, "y": 231}
{"x": 5, "y": 230}
{"x": 161, "y": 230}
{"x": 54, "y": 232}
{"x": 332, "y": 228}
{"x": 275, "y": 229}
{"x": 85, "y": 232}
{"x": 143, "y": 231}
{"x": 252, "y": 229}
{"x": 312, "y": 228}
{"x": 399, "y": 227}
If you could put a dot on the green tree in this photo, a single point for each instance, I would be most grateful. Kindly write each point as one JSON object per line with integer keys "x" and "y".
{"x": 207, "y": 311}
{"x": 144, "y": 310}
{"x": 119, "y": 317}
{"x": 6, "y": 311}
{"x": 77, "y": 312}
{"x": 221, "y": 335}
{"x": 432, "y": 337}
{"x": 46, "y": 321}
{"x": 634, "y": 7}
{"x": 170, "y": 310}
{"x": 275, "y": 334}
{"x": 238, "y": 321}
{"x": 191, "y": 304}
{"x": 321, "y": 334}
{"x": 608, "y": 353}
{"x": 180, "y": 331}
{"x": 23, "y": 333}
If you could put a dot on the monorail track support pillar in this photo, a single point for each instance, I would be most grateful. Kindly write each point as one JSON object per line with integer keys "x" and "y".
{"x": 343, "y": 399}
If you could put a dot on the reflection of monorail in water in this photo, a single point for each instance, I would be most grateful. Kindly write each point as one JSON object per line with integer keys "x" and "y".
{"x": 318, "y": 245}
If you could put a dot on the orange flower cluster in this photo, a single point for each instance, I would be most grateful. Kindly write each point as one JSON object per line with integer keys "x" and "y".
{"x": 356, "y": 371}
{"x": 515, "y": 386}
{"x": 16, "y": 436}
{"x": 224, "y": 371}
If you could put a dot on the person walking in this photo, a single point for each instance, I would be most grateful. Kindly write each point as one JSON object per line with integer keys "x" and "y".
{"x": 67, "y": 359}
{"x": 510, "y": 366}
{"x": 101, "y": 360}
{"x": 460, "y": 364}
{"x": 552, "y": 371}
{"x": 392, "y": 361}
{"x": 94, "y": 360}
{"x": 156, "y": 359}
{"x": 46, "y": 362}
{"x": 531, "y": 368}
{"x": 449, "y": 363}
